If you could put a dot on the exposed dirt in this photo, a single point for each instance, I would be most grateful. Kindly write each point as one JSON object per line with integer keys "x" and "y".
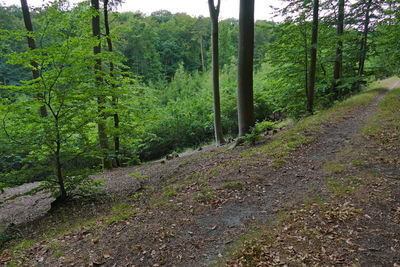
{"x": 189, "y": 210}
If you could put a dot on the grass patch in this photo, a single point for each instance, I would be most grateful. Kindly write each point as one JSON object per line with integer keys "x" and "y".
{"x": 120, "y": 212}
{"x": 334, "y": 168}
{"x": 385, "y": 126}
{"x": 233, "y": 185}
{"x": 137, "y": 174}
{"x": 358, "y": 163}
{"x": 169, "y": 193}
{"x": 340, "y": 189}
{"x": 58, "y": 253}
{"x": 205, "y": 194}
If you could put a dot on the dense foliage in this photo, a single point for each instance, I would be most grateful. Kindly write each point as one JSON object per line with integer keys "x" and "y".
{"x": 163, "y": 80}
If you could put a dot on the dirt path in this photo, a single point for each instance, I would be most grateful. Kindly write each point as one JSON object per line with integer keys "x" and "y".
{"x": 195, "y": 207}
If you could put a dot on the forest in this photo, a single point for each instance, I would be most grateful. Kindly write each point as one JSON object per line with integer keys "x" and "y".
{"x": 140, "y": 126}
{"x": 150, "y": 92}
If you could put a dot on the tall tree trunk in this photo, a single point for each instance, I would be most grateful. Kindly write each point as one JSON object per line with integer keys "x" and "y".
{"x": 363, "y": 49}
{"x": 337, "y": 73}
{"x": 202, "y": 53}
{"x": 214, "y": 13}
{"x": 101, "y": 98}
{"x": 32, "y": 46}
{"x": 313, "y": 62}
{"x": 114, "y": 99}
{"x": 305, "y": 59}
{"x": 245, "y": 67}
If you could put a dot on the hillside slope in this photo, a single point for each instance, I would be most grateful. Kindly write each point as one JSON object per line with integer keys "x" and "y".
{"x": 325, "y": 191}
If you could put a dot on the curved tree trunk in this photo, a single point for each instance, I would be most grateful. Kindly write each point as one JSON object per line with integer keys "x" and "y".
{"x": 245, "y": 67}
{"x": 313, "y": 62}
{"x": 32, "y": 46}
{"x": 214, "y": 13}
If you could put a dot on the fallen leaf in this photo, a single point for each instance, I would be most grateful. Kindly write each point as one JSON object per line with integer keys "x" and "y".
{"x": 106, "y": 255}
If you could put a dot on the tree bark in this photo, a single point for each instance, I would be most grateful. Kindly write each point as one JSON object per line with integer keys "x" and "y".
{"x": 305, "y": 60}
{"x": 58, "y": 166}
{"x": 245, "y": 67}
{"x": 214, "y": 13}
{"x": 363, "y": 49}
{"x": 114, "y": 99}
{"x": 313, "y": 59}
{"x": 101, "y": 98}
{"x": 337, "y": 73}
{"x": 32, "y": 46}
{"x": 202, "y": 53}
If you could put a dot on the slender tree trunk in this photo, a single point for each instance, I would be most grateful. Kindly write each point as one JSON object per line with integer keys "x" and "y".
{"x": 58, "y": 165}
{"x": 337, "y": 73}
{"x": 202, "y": 53}
{"x": 32, "y": 46}
{"x": 214, "y": 13}
{"x": 313, "y": 60}
{"x": 363, "y": 49}
{"x": 305, "y": 60}
{"x": 101, "y": 98}
{"x": 245, "y": 67}
{"x": 114, "y": 99}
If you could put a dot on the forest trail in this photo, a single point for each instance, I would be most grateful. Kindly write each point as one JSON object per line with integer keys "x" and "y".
{"x": 193, "y": 210}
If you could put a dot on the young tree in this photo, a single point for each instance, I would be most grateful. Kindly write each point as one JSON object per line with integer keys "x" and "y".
{"x": 62, "y": 136}
{"x": 313, "y": 60}
{"x": 245, "y": 67}
{"x": 101, "y": 98}
{"x": 32, "y": 46}
{"x": 214, "y": 13}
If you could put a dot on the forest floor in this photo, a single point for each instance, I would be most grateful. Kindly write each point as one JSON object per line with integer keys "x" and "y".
{"x": 325, "y": 191}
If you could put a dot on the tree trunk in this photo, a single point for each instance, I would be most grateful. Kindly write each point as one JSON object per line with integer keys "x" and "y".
{"x": 313, "y": 62}
{"x": 58, "y": 166}
{"x": 245, "y": 67}
{"x": 337, "y": 74}
{"x": 305, "y": 60}
{"x": 202, "y": 53}
{"x": 214, "y": 13}
{"x": 363, "y": 49}
{"x": 32, "y": 46}
{"x": 101, "y": 98}
{"x": 114, "y": 99}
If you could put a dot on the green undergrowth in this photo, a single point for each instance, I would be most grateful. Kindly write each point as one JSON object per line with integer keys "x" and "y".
{"x": 307, "y": 129}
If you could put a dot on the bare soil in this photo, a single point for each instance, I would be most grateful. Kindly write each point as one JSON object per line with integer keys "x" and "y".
{"x": 193, "y": 210}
